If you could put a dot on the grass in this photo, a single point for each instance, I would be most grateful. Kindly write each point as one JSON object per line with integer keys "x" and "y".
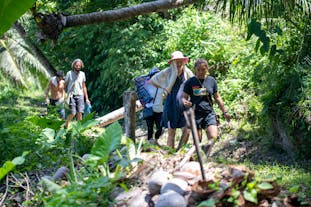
{"x": 295, "y": 179}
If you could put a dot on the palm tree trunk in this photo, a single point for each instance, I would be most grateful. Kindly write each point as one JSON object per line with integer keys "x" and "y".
{"x": 124, "y": 13}
{"x": 52, "y": 25}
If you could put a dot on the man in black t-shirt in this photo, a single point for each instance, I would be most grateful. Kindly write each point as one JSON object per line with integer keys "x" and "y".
{"x": 198, "y": 93}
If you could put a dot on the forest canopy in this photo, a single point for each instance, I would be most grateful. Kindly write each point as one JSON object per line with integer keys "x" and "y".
{"x": 258, "y": 51}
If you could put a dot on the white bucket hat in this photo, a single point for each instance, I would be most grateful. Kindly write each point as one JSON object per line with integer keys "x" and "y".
{"x": 177, "y": 55}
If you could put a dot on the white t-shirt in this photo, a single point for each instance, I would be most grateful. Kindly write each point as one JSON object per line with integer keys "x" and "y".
{"x": 70, "y": 78}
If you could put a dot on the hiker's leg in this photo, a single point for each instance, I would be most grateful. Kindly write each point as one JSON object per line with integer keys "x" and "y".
{"x": 80, "y": 106}
{"x": 157, "y": 121}
{"x": 171, "y": 137}
{"x": 72, "y": 105}
{"x": 149, "y": 122}
{"x": 211, "y": 132}
{"x": 200, "y": 134}
{"x": 68, "y": 120}
{"x": 79, "y": 116}
{"x": 184, "y": 137}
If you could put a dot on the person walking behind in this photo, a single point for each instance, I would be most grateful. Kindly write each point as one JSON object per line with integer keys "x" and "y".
{"x": 157, "y": 107}
{"x": 76, "y": 90}
{"x": 57, "y": 87}
{"x": 200, "y": 90}
{"x": 170, "y": 80}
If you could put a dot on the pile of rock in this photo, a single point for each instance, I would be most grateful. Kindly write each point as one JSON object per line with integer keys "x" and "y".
{"x": 223, "y": 186}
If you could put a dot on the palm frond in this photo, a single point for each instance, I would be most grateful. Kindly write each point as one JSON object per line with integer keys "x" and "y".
{"x": 22, "y": 52}
{"x": 8, "y": 64}
{"x": 17, "y": 60}
{"x": 243, "y": 10}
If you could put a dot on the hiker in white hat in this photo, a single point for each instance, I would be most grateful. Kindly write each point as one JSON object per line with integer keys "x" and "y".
{"x": 171, "y": 80}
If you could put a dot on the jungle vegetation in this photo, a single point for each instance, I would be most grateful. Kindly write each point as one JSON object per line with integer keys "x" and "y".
{"x": 259, "y": 52}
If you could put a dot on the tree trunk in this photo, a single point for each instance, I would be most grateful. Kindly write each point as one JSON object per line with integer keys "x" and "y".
{"x": 52, "y": 25}
{"x": 129, "y": 98}
{"x": 123, "y": 13}
{"x": 282, "y": 138}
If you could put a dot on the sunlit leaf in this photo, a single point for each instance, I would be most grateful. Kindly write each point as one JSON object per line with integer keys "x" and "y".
{"x": 48, "y": 134}
{"x": 250, "y": 196}
{"x": 265, "y": 186}
{"x": 52, "y": 187}
{"x": 10, "y": 11}
{"x": 209, "y": 203}
{"x": 294, "y": 189}
{"x": 8, "y": 166}
{"x": 108, "y": 141}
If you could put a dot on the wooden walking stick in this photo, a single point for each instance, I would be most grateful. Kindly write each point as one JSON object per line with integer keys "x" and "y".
{"x": 189, "y": 116}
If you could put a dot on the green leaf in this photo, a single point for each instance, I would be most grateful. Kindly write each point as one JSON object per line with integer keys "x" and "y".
{"x": 10, "y": 11}
{"x": 49, "y": 134}
{"x": 52, "y": 187}
{"x": 256, "y": 28}
{"x": 6, "y": 168}
{"x": 278, "y": 30}
{"x": 250, "y": 196}
{"x": 273, "y": 50}
{"x": 257, "y": 44}
{"x": 108, "y": 141}
{"x": 102, "y": 182}
{"x": 294, "y": 189}
{"x": 251, "y": 185}
{"x": 265, "y": 186}
{"x": 209, "y": 203}
{"x": 253, "y": 28}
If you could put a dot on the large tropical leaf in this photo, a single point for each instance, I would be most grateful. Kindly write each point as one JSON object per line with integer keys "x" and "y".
{"x": 107, "y": 142}
{"x": 10, "y": 11}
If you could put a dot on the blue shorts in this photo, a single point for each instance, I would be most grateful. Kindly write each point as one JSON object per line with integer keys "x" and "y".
{"x": 76, "y": 104}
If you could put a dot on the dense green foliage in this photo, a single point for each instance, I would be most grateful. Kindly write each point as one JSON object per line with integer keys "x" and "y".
{"x": 262, "y": 75}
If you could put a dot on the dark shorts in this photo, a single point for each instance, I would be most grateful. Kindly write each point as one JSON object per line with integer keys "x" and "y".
{"x": 205, "y": 120}
{"x": 53, "y": 102}
{"x": 76, "y": 104}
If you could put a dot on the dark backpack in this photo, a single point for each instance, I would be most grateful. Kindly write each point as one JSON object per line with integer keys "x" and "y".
{"x": 139, "y": 82}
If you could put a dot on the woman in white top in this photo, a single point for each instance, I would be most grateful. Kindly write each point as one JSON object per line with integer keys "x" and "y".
{"x": 157, "y": 107}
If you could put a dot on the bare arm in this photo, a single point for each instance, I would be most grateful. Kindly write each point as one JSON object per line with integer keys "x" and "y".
{"x": 185, "y": 100}
{"x": 85, "y": 93}
{"x": 47, "y": 93}
{"x": 220, "y": 103}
